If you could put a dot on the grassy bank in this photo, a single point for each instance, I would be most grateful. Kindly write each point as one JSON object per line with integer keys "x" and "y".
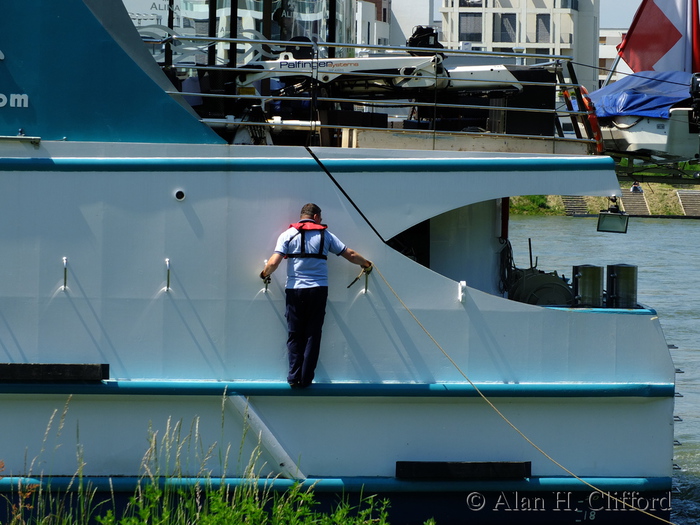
{"x": 661, "y": 199}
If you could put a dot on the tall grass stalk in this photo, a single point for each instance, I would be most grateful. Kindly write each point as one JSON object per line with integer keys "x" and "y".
{"x": 163, "y": 496}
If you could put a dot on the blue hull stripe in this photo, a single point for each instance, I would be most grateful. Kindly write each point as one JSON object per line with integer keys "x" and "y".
{"x": 129, "y": 483}
{"x": 218, "y": 388}
{"x": 387, "y": 165}
{"x": 645, "y": 310}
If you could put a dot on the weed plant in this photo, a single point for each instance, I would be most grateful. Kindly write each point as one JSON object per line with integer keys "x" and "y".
{"x": 163, "y": 496}
{"x": 245, "y": 504}
{"x": 158, "y": 502}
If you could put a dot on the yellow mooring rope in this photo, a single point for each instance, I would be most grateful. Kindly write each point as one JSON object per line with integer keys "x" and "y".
{"x": 502, "y": 416}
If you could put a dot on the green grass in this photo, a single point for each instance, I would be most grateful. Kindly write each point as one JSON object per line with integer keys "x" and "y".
{"x": 163, "y": 496}
{"x": 535, "y": 205}
{"x": 157, "y": 503}
{"x": 246, "y": 504}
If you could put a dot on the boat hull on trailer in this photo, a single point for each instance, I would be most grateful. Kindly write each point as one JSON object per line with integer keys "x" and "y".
{"x": 649, "y": 114}
{"x": 672, "y": 139}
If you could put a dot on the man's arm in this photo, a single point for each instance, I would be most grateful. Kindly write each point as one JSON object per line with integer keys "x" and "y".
{"x": 272, "y": 263}
{"x": 356, "y": 258}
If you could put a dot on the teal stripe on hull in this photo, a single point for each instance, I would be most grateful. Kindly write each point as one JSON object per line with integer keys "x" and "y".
{"x": 617, "y": 311}
{"x": 296, "y": 164}
{"x": 366, "y": 484}
{"x": 219, "y": 388}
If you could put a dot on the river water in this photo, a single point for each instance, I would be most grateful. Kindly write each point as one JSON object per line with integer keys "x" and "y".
{"x": 667, "y": 254}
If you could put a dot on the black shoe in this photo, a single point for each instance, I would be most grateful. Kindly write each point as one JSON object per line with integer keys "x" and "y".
{"x": 296, "y": 384}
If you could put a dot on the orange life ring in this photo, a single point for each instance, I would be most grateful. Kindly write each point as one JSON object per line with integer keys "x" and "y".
{"x": 592, "y": 120}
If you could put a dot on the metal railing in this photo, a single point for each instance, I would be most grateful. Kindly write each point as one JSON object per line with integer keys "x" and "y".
{"x": 305, "y": 102}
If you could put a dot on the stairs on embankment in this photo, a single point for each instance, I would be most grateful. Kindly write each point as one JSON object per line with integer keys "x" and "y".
{"x": 690, "y": 202}
{"x": 635, "y": 203}
{"x": 574, "y": 205}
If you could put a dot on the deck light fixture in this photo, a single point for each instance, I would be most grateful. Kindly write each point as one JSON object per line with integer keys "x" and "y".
{"x": 613, "y": 220}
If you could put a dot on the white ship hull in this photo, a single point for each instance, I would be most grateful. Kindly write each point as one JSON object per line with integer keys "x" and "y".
{"x": 190, "y": 340}
{"x": 132, "y": 237}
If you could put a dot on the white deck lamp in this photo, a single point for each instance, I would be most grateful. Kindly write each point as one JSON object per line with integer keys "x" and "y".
{"x": 613, "y": 220}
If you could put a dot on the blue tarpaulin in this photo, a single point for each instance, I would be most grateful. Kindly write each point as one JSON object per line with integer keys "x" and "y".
{"x": 644, "y": 94}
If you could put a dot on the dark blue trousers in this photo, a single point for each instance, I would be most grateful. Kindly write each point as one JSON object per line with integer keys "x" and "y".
{"x": 306, "y": 309}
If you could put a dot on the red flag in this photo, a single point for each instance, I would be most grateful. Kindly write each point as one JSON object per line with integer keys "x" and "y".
{"x": 664, "y": 36}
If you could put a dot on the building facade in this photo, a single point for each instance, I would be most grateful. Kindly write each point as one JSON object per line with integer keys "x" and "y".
{"x": 372, "y": 22}
{"x": 608, "y": 64}
{"x": 538, "y": 27}
{"x": 407, "y": 14}
{"x": 546, "y": 27}
{"x": 322, "y": 20}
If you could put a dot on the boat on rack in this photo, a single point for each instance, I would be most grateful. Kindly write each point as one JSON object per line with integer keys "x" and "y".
{"x": 650, "y": 115}
{"x": 649, "y": 119}
{"x": 133, "y": 322}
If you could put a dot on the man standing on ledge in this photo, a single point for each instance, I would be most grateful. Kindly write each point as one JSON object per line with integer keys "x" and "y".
{"x": 306, "y": 244}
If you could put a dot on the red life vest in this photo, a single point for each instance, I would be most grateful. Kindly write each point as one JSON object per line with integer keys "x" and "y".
{"x": 308, "y": 225}
{"x": 302, "y": 227}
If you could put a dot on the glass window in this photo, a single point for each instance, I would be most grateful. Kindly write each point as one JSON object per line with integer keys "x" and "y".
{"x": 543, "y": 28}
{"x": 505, "y": 27}
{"x": 470, "y": 27}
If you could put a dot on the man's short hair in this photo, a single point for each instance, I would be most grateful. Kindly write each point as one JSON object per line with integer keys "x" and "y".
{"x": 309, "y": 210}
